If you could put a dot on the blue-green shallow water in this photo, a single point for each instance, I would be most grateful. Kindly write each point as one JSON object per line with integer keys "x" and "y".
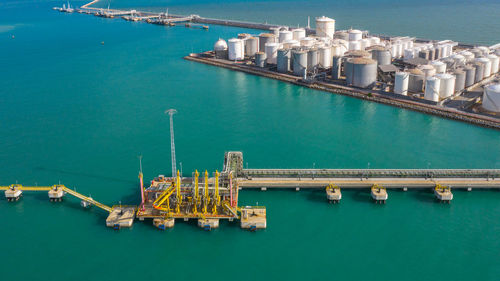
{"x": 80, "y": 112}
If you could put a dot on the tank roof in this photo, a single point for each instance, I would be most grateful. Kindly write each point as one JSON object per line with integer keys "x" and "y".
{"x": 361, "y": 61}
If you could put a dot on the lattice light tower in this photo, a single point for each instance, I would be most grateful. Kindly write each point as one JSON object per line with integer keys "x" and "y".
{"x": 171, "y": 113}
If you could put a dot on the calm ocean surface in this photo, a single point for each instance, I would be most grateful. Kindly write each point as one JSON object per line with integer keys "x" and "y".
{"x": 76, "y": 111}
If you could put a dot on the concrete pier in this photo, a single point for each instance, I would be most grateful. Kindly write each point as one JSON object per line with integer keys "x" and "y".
{"x": 333, "y": 194}
{"x": 379, "y": 194}
{"x": 121, "y": 217}
{"x": 13, "y": 193}
{"x": 208, "y": 224}
{"x": 443, "y": 193}
{"x": 253, "y": 218}
{"x": 56, "y": 194}
{"x": 164, "y": 223}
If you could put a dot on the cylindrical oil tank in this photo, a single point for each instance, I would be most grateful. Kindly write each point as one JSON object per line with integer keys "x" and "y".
{"x": 361, "y": 72}
{"x": 432, "y": 54}
{"x": 450, "y": 63}
{"x": 265, "y": 38}
{"x": 458, "y": 59}
{"x": 494, "y": 63}
{"x": 428, "y": 70}
{"x": 365, "y": 43}
{"x": 381, "y": 55}
{"x": 325, "y": 57}
{"x": 487, "y": 66}
{"x": 470, "y": 75}
{"x": 275, "y": 31}
{"x": 485, "y": 50}
{"x": 336, "y": 67}
{"x": 341, "y": 35}
{"x": 354, "y": 45}
{"x": 374, "y": 41}
{"x": 401, "y": 82}
{"x": 251, "y": 46}
{"x": 449, "y": 51}
{"x": 298, "y": 33}
{"x": 260, "y": 59}
{"x": 244, "y": 35}
{"x": 416, "y": 81}
{"x": 447, "y": 86}
{"x": 477, "y": 53}
{"x": 299, "y": 58}
{"x": 338, "y": 50}
{"x": 459, "y": 79}
{"x": 283, "y": 60}
{"x": 235, "y": 49}
{"x": 423, "y": 54}
{"x": 312, "y": 58}
{"x": 491, "y": 97}
{"x": 439, "y": 66}
{"x": 290, "y": 44}
{"x": 220, "y": 49}
{"x": 497, "y": 52}
{"x": 438, "y": 53}
{"x": 479, "y": 72}
{"x": 272, "y": 52}
{"x": 468, "y": 56}
{"x": 307, "y": 42}
{"x": 432, "y": 86}
{"x": 285, "y": 35}
{"x": 325, "y": 27}
{"x": 358, "y": 54}
{"x": 355, "y": 35}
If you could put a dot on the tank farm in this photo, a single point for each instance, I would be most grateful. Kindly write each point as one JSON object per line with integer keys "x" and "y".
{"x": 443, "y": 78}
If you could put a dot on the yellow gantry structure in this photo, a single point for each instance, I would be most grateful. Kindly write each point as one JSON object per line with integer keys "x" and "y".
{"x": 196, "y": 192}
{"x": 178, "y": 193}
{"x": 165, "y": 196}
{"x": 216, "y": 194}
{"x": 206, "y": 199}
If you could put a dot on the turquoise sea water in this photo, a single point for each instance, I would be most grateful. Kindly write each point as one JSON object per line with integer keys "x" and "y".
{"x": 76, "y": 111}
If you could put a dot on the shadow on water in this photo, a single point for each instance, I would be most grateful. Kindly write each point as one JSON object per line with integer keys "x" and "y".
{"x": 423, "y": 195}
{"x": 86, "y": 175}
{"x": 317, "y": 195}
{"x": 361, "y": 196}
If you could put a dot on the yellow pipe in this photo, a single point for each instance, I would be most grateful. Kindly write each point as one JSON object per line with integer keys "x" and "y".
{"x": 206, "y": 199}
{"x": 196, "y": 196}
{"x": 178, "y": 190}
{"x": 217, "y": 197}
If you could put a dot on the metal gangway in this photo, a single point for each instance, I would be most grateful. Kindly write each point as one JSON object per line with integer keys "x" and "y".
{"x": 55, "y": 187}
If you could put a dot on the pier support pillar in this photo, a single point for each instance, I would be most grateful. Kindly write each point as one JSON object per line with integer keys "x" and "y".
{"x": 263, "y": 188}
{"x": 297, "y": 189}
{"x": 405, "y": 188}
{"x": 469, "y": 188}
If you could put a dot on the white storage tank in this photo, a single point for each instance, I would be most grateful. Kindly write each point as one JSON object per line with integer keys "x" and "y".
{"x": 312, "y": 58}
{"x": 484, "y": 50}
{"x": 298, "y": 33}
{"x": 479, "y": 71}
{"x": 271, "y": 50}
{"x": 338, "y": 50}
{"x": 289, "y": 44}
{"x": 283, "y": 60}
{"x": 381, "y": 55}
{"x": 447, "y": 86}
{"x": 361, "y": 72}
{"x": 355, "y": 35}
{"x": 235, "y": 49}
{"x": 432, "y": 86}
{"x": 299, "y": 61}
{"x": 365, "y": 43}
{"x": 470, "y": 75}
{"x": 265, "y": 38}
{"x": 460, "y": 77}
{"x": 325, "y": 27}
{"x": 220, "y": 49}
{"x": 285, "y": 35}
{"x": 468, "y": 56}
{"x": 251, "y": 46}
{"x": 325, "y": 57}
{"x": 374, "y": 41}
{"x": 260, "y": 59}
{"x": 428, "y": 70}
{"x": 275, "y": 31}
{"x": 460, "y": 60}
{"x": 354, "y": 45}
{"x": 494, "y": 63}
{"x": 401, "y": 83}
{"x": 491, "y": 97}
{"x": 409, "y": 54}
{"x": 416, "y": 81}
{"x": 487, "y": 66}
{"x": 439, "y": 66}
{"x": 307, "y": 42}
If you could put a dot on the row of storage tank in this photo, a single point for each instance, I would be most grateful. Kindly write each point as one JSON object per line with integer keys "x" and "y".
{"x": 357, "y": 55}
{"x": 443, "y": 78}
